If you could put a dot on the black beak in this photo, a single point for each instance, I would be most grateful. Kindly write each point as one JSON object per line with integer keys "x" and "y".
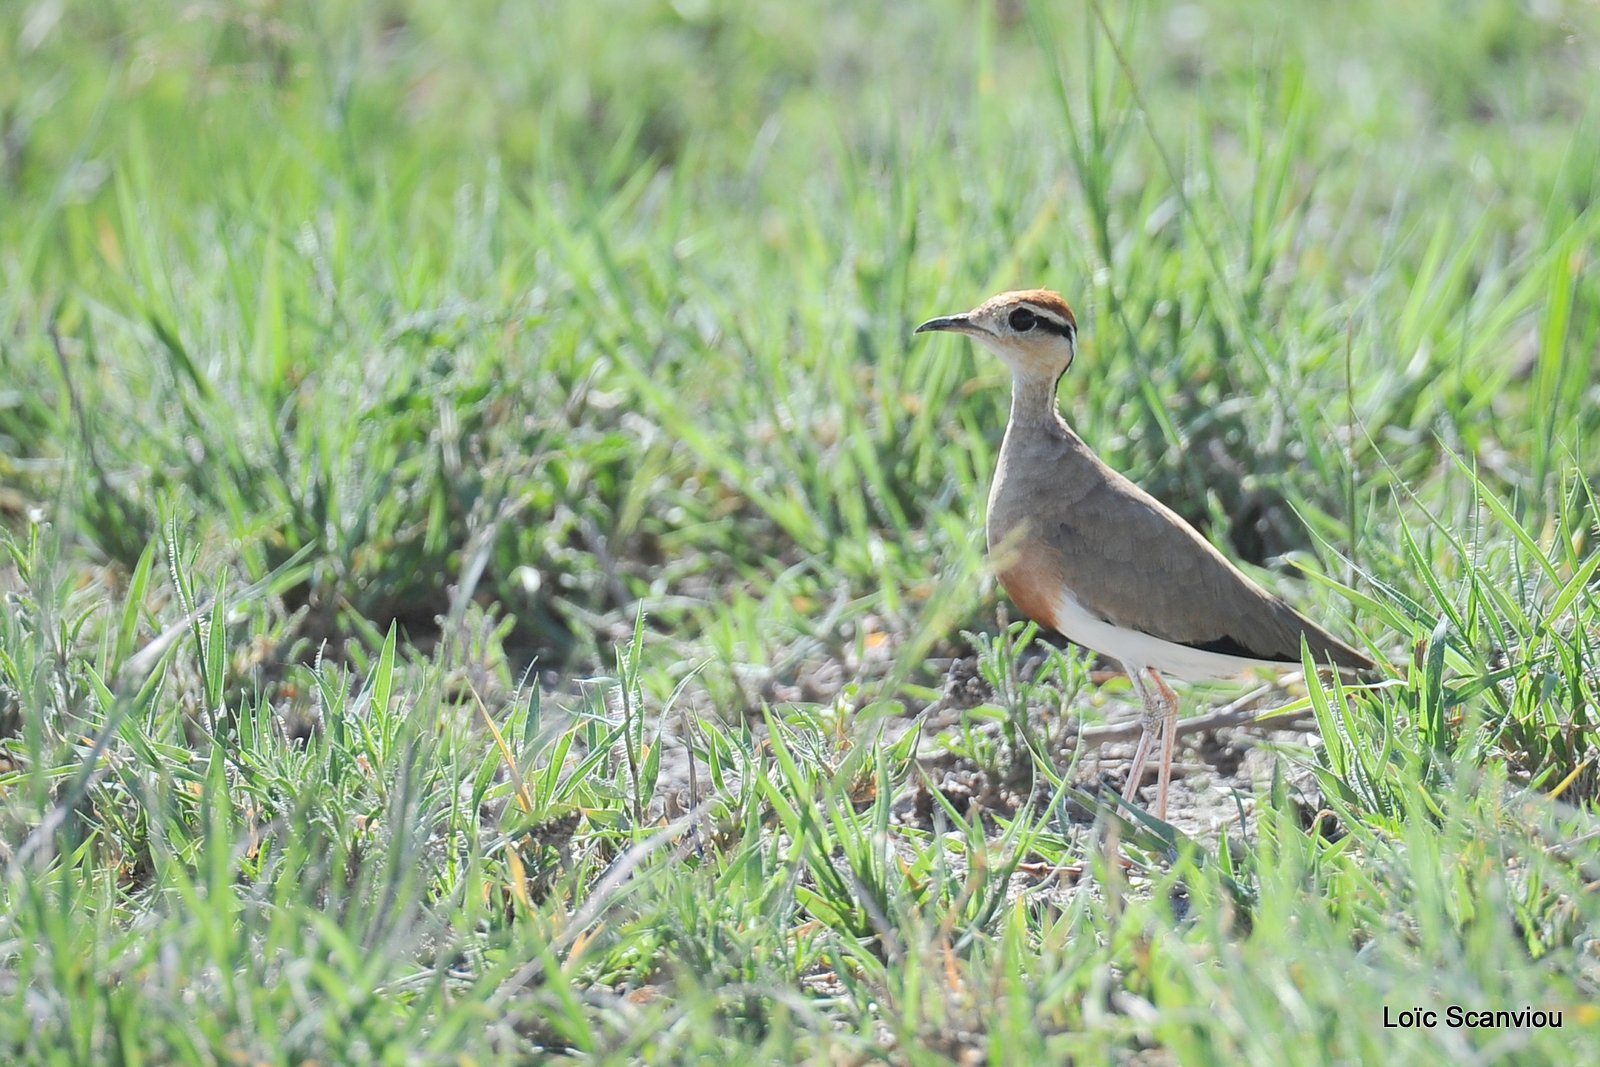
{"x": 952, "y": 324}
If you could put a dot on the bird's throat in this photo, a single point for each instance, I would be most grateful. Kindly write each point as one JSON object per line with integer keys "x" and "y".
{"x": 1033, "y": 401}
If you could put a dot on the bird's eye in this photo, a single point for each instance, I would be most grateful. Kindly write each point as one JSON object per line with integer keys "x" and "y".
{"x": 1022, "y": 320}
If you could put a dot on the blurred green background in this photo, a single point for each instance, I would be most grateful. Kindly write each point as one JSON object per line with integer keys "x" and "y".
{"x": 657, "y": 263}
{"x": 390, "y": 362}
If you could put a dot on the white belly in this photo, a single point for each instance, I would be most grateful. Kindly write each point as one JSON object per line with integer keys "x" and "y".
{"x": 1135, "y": 649}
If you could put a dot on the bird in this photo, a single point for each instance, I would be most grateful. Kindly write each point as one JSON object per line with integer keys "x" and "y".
{"x": 1087, "y": 553}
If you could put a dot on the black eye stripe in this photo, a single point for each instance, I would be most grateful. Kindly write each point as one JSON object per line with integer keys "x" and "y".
{"x": 1038, "y": 320}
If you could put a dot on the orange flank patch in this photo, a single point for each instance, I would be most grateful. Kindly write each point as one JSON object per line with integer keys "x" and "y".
{"x": 1035, "y": 586}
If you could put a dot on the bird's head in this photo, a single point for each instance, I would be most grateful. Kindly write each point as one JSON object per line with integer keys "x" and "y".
{"x": 1032, "y": 330}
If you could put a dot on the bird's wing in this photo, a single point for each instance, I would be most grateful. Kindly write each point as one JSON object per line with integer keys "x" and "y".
{"x": 1140, "y": 565}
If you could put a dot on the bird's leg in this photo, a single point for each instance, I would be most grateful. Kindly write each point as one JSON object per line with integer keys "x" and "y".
{"x": 1151, "y": 719}
{"x": 1169, "y": 741}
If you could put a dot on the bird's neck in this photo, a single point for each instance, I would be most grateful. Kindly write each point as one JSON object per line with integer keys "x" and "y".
{"x": 1040, "y": 459}
{"x": 1033, "y": 403}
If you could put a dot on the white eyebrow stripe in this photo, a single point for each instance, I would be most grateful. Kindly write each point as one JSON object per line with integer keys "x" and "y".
{"x": 1062, "y": 325}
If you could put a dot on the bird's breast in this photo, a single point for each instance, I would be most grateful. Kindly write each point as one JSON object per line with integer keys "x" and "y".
{"x": 1030, "y": 578}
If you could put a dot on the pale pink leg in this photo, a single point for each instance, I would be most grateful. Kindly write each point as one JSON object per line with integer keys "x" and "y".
{"x": 1160, "y": 716}
{"x": 1151, "y": 719}
{"x": 1169, "y": 742}
{"x": 1140, "y": 754}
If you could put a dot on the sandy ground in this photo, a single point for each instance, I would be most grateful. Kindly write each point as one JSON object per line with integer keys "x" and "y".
{"x": 1217, "y": 772}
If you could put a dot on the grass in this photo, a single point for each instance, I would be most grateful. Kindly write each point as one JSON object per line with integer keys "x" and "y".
{"x": 476, "y": 527}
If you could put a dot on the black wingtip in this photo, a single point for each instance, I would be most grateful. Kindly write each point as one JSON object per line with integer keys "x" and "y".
{"x": 1332, "y": 652}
